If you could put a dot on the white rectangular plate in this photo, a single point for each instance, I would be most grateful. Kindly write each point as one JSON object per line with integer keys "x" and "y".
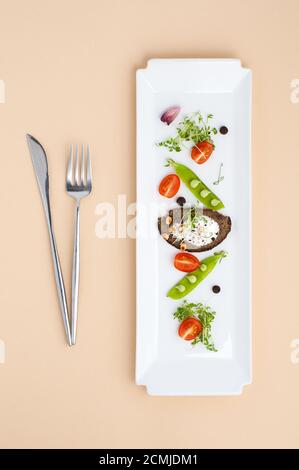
{"x": 166, "y": 364}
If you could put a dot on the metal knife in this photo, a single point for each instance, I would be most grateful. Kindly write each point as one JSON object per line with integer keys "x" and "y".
{"x": 40, "y": 165}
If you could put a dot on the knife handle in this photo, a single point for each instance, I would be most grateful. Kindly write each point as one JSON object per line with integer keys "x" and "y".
{"x": 60, "y": 284}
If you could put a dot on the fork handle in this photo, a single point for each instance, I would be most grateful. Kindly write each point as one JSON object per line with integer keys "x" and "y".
{"x": 75, "y": 274}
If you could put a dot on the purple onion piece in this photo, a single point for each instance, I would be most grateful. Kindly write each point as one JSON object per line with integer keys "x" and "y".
{"x": 170, "y": 114}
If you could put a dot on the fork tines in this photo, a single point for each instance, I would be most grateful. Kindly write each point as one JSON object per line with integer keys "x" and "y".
{"x": 79, "y": 172}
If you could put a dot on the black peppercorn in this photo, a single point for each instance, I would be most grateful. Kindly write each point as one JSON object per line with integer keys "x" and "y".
{"x": 216, "y": 289}
{"x": 181, "y": 201}
{"x": 223, "y": 130}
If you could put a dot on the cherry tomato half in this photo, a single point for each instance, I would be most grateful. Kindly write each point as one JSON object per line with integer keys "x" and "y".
{"x": 169, "y": 185}
{"x": 190, "y": 328}
{"x": 186, "y": 262}
{"x": 202, "y": 151}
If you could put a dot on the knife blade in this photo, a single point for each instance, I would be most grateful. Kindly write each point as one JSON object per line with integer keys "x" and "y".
{"x": 40, "y": 165}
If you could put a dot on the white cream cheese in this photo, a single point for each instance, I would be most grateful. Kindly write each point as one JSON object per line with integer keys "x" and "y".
{"x": 201, "y": 232}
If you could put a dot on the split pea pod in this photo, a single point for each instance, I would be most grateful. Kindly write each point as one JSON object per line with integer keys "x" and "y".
{"x": 196, "y": 186}
{"x": 191, "y": 280}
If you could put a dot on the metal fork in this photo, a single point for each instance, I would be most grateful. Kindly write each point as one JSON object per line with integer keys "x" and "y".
{"x": 78, "y": 185}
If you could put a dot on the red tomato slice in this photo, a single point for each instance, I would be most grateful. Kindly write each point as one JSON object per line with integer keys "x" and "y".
{"x": 202, "y": 151}
{"x": 169, "y": 185}
{"x": 190, "y": 328}
{"x": 186, "y": 262}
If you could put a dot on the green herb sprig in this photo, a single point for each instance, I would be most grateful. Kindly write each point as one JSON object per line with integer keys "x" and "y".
{"x": 220, "y": 178}
{"x": 206, "y": 317}
{"x": 193, "y": 129}
{"x": 193, "y": 216}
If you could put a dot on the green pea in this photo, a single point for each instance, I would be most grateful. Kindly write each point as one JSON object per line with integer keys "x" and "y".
{"x": 200, "y": 191}
{"x": 185, "y": 286}
{"x": 194, "y": 183}
{"x": 181, "y": 288}
{"x": 203, "y": 267}
{"x": 215, "y": 202}
{"x": 204, "y": 193}
{"x": 191, "y": 278}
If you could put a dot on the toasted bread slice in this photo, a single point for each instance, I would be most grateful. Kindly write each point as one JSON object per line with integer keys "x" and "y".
{"x": 194, "y": 230}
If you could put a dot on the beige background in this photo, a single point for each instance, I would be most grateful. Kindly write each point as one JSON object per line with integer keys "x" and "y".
{"x": 69, "y": 68}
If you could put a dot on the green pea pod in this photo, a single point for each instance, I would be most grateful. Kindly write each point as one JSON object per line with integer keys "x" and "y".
{"x": 196, "y": 186}
{"x": 191, "y": 280}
